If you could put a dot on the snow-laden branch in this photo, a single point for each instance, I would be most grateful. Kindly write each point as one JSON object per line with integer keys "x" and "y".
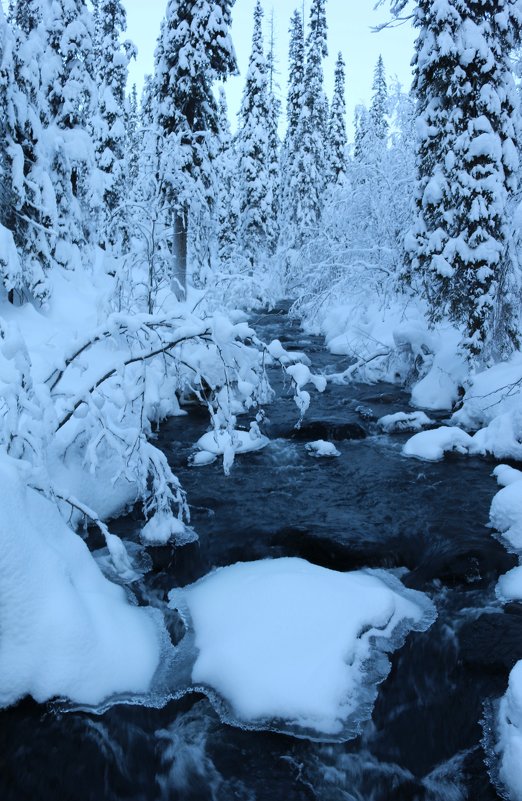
{"x": 196, "y": 332}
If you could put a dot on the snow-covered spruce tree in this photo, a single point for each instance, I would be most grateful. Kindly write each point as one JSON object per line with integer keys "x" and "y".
{"x": 68, "y": 86}
{"x": 379, "y": 104}
{"x": 360, "y": 124}
{"x": 29, "y": 209}
{"x": 274, "y": 144}
{"x": 11, "y": 276}
{"x": 6, "y": 83}
{"x": 252, "y": 146}
{"x": 337, "y": 125}
{"x": 227, "y": 211}
{"x": 371, "y": 125}
{"x": 194, "y": 50}
{"x": 132, "y": 138}
{"x": 288, "y": 202}
{"x": 312, "y": 161}
{"x": 108, "y": 123}
{"x": 467, "y": 165}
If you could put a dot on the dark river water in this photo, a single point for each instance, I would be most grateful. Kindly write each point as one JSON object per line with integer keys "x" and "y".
{"x": 371, "y": 507}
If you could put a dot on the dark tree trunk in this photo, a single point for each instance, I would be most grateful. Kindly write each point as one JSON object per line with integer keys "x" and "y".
{"x": 179, "y": 251}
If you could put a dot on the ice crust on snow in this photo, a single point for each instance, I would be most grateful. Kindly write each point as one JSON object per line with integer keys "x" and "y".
{"x": 289, "y": 646}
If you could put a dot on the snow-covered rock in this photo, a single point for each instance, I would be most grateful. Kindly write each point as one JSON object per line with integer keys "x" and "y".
{"x": 322, "y": 448}
{"x": 506, "y": 475}
{"x": 404, "y": 421}
{"x": 217, "y": 442}
{"x": 163, "y": 528}
{"x": 291, "y": 646}
{"x": 432, "y": 445}
{"x": 506, "y": 514}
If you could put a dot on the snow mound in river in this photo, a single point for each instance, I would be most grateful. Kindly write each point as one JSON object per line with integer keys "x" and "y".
{"x": 289, "y": 646}
{"x": 432, "y": 445}
{"x": 322, "y": 448}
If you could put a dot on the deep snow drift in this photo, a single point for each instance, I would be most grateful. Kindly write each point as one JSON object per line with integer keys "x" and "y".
{"x": 65, "y": 629}
{"x": 294, "y": 647}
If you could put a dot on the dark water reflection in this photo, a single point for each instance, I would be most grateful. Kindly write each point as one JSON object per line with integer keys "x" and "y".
{"x": 370, "y": 507}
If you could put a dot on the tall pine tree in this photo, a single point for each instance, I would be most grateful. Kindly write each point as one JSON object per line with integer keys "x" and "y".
{"x": 31, "y": 205}
{"x": 312, "y": 166}
{"x": 227, "y": 196}
{"x": 337, "y": 125}
{"x": 289, "y": 201}
{"x": 274, "y": 144}
{"x": 109, "y": 133}
{"x": 194, "y": 50}
{"x": 379, "y": 105}
{"x": 252, "y": 144}
{"x": 69, "y": 88}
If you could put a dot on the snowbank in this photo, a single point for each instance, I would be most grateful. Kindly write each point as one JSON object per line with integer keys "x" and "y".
{"x": 294, "y": 647}
{"x": 493, "y": 405}
{"x": 432, "y": 445}
{"x": 491, "y": 393}
{"x": 506, "y": 518}
{"x": 502, "y": 438}
{"x": 506, "y": 514}
{"x": 394, "y": 343}
{"x": 509, "y": 735}
{"x": 66, "y": 630}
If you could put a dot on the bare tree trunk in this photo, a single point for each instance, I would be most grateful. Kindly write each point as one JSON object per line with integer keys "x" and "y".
{"x": 179, "y": 248}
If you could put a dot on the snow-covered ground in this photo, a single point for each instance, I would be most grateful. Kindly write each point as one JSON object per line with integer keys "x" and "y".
{"x": 506, "y": 518}
{"x": 81, "y": 386}
{"x": 80, "y": 389}
{"x": 66, "y": 630}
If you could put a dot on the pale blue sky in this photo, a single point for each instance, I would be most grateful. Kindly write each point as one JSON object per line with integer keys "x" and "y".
{"x": 349, "y": 24}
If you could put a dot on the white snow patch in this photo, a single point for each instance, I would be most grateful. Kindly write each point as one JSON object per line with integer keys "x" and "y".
{"x": 506, "y": 514}
{"x": 163, "y": 527}
{"x": 286, "y": 643}
{"x": 506, "y": 475}
{"x": 66, "y": 630}
{"x": 322, "y": 448}
{"x": 432, "y": 445}
{"x": 218, "y": 442}
{"x": 404, "y": 421}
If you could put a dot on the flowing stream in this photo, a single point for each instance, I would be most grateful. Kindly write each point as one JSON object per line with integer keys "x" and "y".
{"x": 371, "y": 507}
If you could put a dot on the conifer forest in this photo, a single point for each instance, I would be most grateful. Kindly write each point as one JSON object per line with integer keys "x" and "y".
{"x": 260, "y": 408}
